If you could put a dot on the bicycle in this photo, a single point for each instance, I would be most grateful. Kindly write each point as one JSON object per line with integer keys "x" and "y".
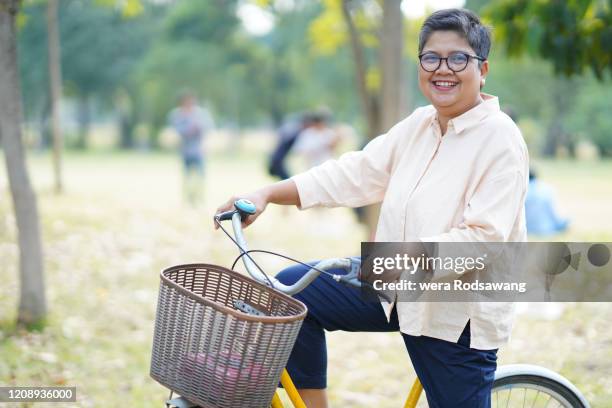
{"x": 516, "y": 385}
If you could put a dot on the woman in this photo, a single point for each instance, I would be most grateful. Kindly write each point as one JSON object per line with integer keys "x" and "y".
{"x": 452, "y": 171}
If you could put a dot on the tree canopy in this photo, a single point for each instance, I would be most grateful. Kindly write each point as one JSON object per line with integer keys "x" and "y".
{"x": 132, "y": 58}
{"x": 573, "y": 35}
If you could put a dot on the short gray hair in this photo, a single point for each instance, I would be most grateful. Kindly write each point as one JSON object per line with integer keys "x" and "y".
{"x": 464, "y": 22}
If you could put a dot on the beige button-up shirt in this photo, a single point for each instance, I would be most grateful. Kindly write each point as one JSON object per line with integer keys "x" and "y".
{"x": 464, "y": 186}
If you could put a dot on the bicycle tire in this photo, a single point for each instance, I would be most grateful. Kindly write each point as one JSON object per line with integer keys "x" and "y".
{"x": 539, "y": 383}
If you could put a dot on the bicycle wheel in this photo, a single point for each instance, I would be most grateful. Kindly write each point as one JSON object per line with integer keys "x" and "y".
{"x": 534, "y": 391}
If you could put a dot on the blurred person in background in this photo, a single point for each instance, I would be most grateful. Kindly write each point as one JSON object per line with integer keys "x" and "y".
{"x": 288, "y": 134}
{"x": 192, "y": 123}
{"x": 317, "y": 143}
{"x": 542, "y": 218}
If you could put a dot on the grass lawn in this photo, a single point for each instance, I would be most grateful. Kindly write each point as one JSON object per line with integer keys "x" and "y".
{"x": 122, "y": 219}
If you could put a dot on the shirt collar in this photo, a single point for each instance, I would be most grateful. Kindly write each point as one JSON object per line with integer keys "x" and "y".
{"x": 489, "y": 105}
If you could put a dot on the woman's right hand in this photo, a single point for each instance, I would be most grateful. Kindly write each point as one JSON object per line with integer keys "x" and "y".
{"x": 283, "y": 192}
{"x": 259, "y": 198}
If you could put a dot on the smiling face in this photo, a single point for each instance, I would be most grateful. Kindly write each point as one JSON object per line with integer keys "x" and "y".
{"x": 451, "y": 93}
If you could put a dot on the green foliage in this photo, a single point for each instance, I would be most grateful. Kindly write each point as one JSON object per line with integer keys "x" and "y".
{"x": 580, "y": 106}
{"x": 300, "y": 76}
{"x": 205, "y": 21}
{"x": 99, "y": 50}
{"x": 137, "y": 66}
{"x": 573, "y": 35}
{"x": 100, "y": 47}
{"x": 128, "y": 8}
{"x": 198, "y": 48}
{"x": 244, "y": 79}
{"x": 476, "y": 5}
{"x": 591, "y": 119}
{"x": 37, "y": 326}
{"x": 33, "y": 64}
{"x": 328, "y": 32}
{"x": 532, "y": 82}
{"x": 134, "y": 62}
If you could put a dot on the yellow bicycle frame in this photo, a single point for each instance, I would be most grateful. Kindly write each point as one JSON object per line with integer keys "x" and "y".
{"x": 296, "y": 400}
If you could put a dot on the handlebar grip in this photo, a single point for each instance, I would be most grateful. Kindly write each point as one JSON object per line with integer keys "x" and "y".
{"x": 224, "y": 216}
{"x": 243, "y": 207}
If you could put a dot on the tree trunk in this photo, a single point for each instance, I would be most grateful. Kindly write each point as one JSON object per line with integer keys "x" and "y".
{"x": 83, "y": 119}
{"x": 369, "y": 102}
{"x": 392, "y": 106}
{"x": 32, "y": 304}
{"x": 553, "y": 135}
{"x": 603, "y": 150}
{"x": 557, "y": 135}
{"x": 277, "y": 106}
{"x": 384, "y": 110}
{"x": 391, "y": 66}
{"x": 55, "y": 82}
{"x": 126, "y": 131}
{"x": 126, "y": 119}
{"x": 43, "y": 125}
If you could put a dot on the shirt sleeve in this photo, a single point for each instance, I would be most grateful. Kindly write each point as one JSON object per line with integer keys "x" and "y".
{"x": 355, "y": 179}
{"x": 489, "y": 218}
{"x": 491, "y": 212}
{"x": 496, "y": 202}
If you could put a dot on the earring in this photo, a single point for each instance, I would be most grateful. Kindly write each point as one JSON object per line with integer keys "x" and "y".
{"x": 482, "y": 82}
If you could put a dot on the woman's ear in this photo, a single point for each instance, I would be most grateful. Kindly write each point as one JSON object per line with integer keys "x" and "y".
{"x": 484, "y": 70}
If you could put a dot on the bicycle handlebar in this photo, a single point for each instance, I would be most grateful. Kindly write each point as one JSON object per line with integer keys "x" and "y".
{"x": 244, "y": 208}
{"x": 298, "y": 286}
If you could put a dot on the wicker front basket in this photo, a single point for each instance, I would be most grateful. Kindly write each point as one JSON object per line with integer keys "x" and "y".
{"x": 210, "y": 352}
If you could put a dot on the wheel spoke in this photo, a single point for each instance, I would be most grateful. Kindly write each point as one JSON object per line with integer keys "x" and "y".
{"x": 548, "y": 402}
{"x": 553, "y": 395}
{"x": 536, "y": 398}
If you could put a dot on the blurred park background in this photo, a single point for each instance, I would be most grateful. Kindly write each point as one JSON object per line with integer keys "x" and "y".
{"x": 94, "y": 181}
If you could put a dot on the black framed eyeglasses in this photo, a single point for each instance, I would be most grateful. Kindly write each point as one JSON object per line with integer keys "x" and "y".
{"x": 456, "y": 62}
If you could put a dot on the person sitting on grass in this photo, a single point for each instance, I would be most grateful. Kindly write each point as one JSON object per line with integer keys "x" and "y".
{"x": 542, "y": 219}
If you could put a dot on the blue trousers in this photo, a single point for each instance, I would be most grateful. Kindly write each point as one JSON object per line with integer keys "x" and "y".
{"x": 193, "y": 164}
{"x": 453, "y": 374}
